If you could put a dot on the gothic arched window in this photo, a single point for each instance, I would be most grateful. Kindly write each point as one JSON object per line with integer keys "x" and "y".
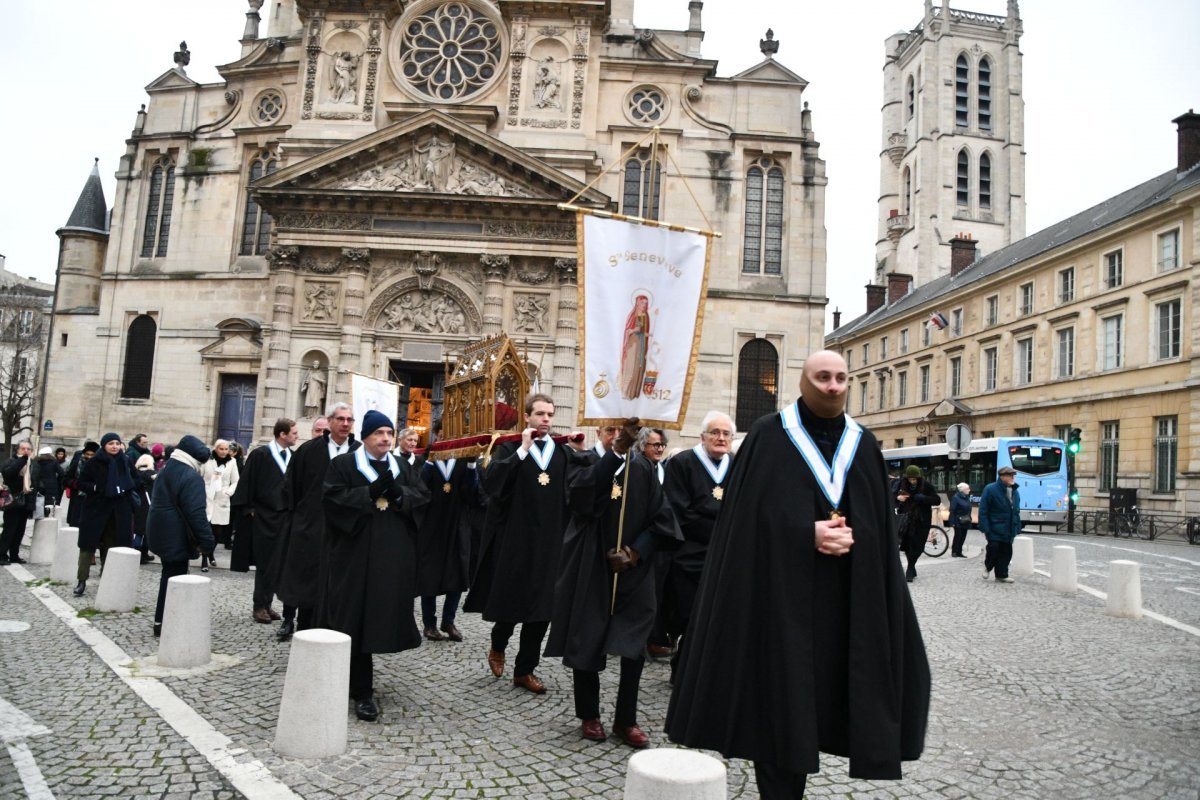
{"x": 762, "y": 248}
{"x": 985, "y": 181}
{"x": 963, "y": 185}
{"x": 139, "y": 358}
{"x": 910, "y": 99}
{"x": 962, "y": 102}
{"x": 758, "y": 382}
{"x": 256, "y": 224}
{"x": 158, "y": 209}
{"x": 985, "y": 94}
{"x": 642, "y": 185}
{"x": 907, "y": 192}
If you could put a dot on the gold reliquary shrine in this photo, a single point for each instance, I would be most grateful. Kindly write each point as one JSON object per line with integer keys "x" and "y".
{"x": 485, "y": 390}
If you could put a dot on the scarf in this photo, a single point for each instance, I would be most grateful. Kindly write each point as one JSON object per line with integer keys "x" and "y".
{"x": 119, "y": 481}
{"x": 184, "y": 458}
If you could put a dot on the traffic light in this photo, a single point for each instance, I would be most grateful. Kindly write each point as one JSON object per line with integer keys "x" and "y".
{"x": 1074, "y": 496}
{"x": 1074, "y": 444}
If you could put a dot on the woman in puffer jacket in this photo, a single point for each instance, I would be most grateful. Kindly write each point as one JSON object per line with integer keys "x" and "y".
{"x": 220, "y": 475}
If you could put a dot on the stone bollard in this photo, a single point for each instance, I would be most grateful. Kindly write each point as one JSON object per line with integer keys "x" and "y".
{"x": 312, "y": 712}
{"x": 60, "y": 510}
{"x": 186, "y": 627}
{"x": 45, "y": 539}
{"x": 119, "y": 581}
{"x": 1124, "y": 589}
{"x": 669, "y": 774}
{"x": 1022, "y": 559}
{"x": 1062, "y": 570}
{"x": 66, "y": 555}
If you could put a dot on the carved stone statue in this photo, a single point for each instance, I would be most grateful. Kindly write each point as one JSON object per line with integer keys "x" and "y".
{"x": 313, "y": 390}
{"x": 424, "y": 312}
{"x": 343, "y": 77}
{"x": 546, "y": 85}
{"x": 438, "y": 164}
{"x": 319, "y": 303}
{"x": 530, "y": 313}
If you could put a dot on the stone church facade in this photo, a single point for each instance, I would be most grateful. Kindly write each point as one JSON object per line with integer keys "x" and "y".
{"x": 374, "y": 184}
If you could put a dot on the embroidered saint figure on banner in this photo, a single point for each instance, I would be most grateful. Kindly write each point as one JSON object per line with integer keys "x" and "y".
{"x": 634, "y": 347}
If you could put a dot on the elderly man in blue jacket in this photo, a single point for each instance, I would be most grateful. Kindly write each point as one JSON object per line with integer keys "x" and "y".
{"x": 1000, "y": 521}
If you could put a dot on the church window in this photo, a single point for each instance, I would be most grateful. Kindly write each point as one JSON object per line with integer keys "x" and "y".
{"x": 963, "y": 192}
{"x": 449, "y": 51}
{"x": 256, "y": 223}
{"x": 643, "y": 184}
{"x": 758, "y": 382}
{"x": 647, "y": 105}
{"x": 762, "y": 248}
{"x": 268, "y": 108}
{"x": 910, "y": 99}
{"x": 907, "y": 191}
{"x": 139, "y": 358}
{"x": 158, "y": 209}
{"x": 985, "y": 181}
{"x": 962, "y": 74}
{"x": 985, "y": 95}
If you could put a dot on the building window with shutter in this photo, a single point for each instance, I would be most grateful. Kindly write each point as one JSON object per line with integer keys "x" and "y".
{"x": 963, "y": 184}
{"x": 985, "y": 182}
{"x": 985, "y": 94}
{"x": 156, "y": 229}
{"x": 139, "y": 358}
{"x": 962, "y": 92}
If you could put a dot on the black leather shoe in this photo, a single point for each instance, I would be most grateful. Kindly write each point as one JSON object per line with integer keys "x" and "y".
{"x": 18, "y": 560}
{"x": 452, "y": 632}
{"x": 286, "y": 630}
{"x": 431, "y": 633}
{"x": 80, "y": 588}
{"x": 366, "y": 710}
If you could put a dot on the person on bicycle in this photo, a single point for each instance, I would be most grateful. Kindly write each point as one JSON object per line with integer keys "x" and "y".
{"x": 915, "y": 500}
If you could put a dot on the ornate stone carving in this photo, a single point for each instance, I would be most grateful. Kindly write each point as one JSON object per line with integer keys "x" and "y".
{"x": 312, "y": 53}
{"x": 551, "y": 30}
{"x": 284, "y": 257}
{"x": 535, "y": 273}
{"x": 347, "y": 24}
{"x": 450, "y": 52}
{"x": 529, "y": 122}
{"x": 426, "y": 265}
{"x": 424, "y": 312}
{"x": 323, "y": 221}
{"x": 337, "y": 115}
{"x": 530, "y": 230}
{"x": 567, "y": 269}
{"x": 342, "y": 78}
{"x": 320, "y": 301}
{"x": 373, "y": 51}
{"x": 519, "y": 25}
{"x": 356, "y": 258}
{"x": 323, "y": 264}
{"x": 583, "y": 31}
{"x": 433, "y": 167}
{"x": 547, "y": 84}
{"x": 529, "y": 312}
{"x": 495, "y": 267}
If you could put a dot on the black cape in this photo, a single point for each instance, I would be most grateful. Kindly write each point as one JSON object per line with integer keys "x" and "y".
{"x": 790, "y": 652}
{"x": 522, "y": 537}
{"x": 583, "y": 631}
{"x": 300, "y": 550}
{"x": 689, "y": 490}
{"x": 372, "y": 577}
{"x": 444, "y": 531}
{"x": 260, "y": 490}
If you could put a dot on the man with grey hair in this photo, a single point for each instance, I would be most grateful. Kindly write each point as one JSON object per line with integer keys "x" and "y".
{"x": 695, "y": 485}
{"x": 652, "y": 443}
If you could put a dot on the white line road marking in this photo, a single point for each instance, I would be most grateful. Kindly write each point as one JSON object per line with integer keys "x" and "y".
{"x": 1165, "y": 620}
{"x": 250, "y": 778}
{"x": 1077, "y": 540}
{"x": 27, "y": 770}
{"x": 1189, "y": 591}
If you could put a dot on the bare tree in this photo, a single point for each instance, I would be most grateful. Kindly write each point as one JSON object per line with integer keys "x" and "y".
{"x": 20, "y": 377}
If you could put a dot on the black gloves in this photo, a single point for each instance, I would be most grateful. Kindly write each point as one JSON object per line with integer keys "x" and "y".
{"x": 623, "y": 559}
{"x": 380, "y": 485}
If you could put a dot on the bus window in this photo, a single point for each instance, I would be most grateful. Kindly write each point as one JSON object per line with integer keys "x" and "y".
{"x": 978, "y": 479}
{"x": 1034, "y": 460}
{"x": 938, "y": 479}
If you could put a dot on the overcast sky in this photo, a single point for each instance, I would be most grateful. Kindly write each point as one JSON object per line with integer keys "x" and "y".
{"x": 1103, "y": 80}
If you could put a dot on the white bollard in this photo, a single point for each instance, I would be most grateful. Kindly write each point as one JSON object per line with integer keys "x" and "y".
{"x": 1063, "y": 577}
{"x": 60, "y": 510}
{"x": 1021, "y": 565}
{"x": 668, "y": 774}
{"x": 1124, "y": 589}
{"x": 45, "y": 537}
{"x": 186, "y": 639}
{"x": 119, "y": 581}
{"x": 312, "y": 712}
{"x": 66, "y": 555}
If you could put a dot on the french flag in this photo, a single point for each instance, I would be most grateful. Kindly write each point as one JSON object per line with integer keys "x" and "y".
{"x": 938, "y": 320}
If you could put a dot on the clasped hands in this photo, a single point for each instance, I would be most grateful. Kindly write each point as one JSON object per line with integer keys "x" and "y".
{"x": 833, "y": 536}
{"x": 384, "y": 486}
{"x": 622, "y": 559}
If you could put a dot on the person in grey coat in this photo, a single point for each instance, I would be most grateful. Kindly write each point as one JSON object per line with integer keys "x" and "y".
{"x": 177, "y": 529}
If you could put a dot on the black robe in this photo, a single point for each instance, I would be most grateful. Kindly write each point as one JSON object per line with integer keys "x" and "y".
{"x": 260, "y": 490}
{"x": 689, "y": 490}
{"x": 522, "y": 536}
{"x": 444, "y": 532}
{"x": 583, "y": 631}
{"x": 299, "y": 560}
{"x": 372, "y": 576}
{"x": 789, "y": 651}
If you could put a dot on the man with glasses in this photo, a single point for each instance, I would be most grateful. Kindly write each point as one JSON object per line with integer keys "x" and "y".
{"x": 652, "y": 443}
{"x": 695, "y": 485}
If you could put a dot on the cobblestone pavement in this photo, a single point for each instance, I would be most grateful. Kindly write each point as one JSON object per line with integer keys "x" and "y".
{"x": 1036, "y": 695}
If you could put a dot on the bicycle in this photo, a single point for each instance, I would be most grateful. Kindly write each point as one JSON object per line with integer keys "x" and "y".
{"x": 938, "y": 542}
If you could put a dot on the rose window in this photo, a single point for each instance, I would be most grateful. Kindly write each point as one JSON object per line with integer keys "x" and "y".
{"x": 647, "y": 105}
{"x": 450, "y": 51}
{"x": 268, "y": 108}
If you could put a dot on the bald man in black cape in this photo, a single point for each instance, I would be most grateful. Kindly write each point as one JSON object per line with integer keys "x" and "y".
{"x": 804, "y": 639}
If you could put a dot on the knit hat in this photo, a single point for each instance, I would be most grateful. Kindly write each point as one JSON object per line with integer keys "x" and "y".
{"x": 156, "y": 449}
{"x": 912, "y": 471}
{"x": 372, "y": 421}
{"x": 90, "y": 446}
{"x": 109, "y": 437}
{"x": 45, "y": 451}
{"x": 145, "y": 461}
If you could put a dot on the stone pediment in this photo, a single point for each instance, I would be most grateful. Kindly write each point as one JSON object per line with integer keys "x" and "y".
{"x": 239, "y": 341}
{"x": 950, "y": 407}
{"x": 770, "y": 71}
{"x": 430, "y": 153}
{"x": 173, "y": 78}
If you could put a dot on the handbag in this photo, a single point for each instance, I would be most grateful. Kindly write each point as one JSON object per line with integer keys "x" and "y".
{"x": 964, "y": 519}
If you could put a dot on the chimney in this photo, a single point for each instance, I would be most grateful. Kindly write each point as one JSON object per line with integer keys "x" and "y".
{"x": 695, "y": 7}
{"x": 962, "y": 253}
{"x": 837, "y": 316}
{"x": 1189, "y": 139}
{"x": 897, "y": 286}
{"x": 875, "y": 295}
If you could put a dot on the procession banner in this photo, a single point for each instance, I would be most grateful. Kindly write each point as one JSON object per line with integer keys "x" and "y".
{"x": 641, "y": 306}
{"x": 367, "y": 393}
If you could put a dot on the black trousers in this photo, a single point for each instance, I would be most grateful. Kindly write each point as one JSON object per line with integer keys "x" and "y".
{"x": 778, "y": 783}
{"x": 15, "y": 521}
{"x": 169, "y": 570}
{"x": 362, "y": 675}
{"x": 587, "y": 693}
{"x": 999, "y": 554}
{"x": 530, "y": 652}
{"x": 960, "y": 538}
{"x": 303, "y": 617}
{"x": 264, "y": 586}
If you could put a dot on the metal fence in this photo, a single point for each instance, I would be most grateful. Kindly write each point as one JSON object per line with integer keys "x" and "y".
{"x": 1136, "y": 524}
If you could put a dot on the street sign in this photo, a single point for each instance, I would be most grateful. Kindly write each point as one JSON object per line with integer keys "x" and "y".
{"x": 48, "y": 425}
{"x": 958, "y": 437}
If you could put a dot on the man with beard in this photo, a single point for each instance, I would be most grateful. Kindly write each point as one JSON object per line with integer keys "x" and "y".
{"x": 259, "y": 491}
{"x": 618, "y": 497}
{"x": 369, "y": 504}
{"x": 300, "y": 551}
{"x": 808, "y": 527}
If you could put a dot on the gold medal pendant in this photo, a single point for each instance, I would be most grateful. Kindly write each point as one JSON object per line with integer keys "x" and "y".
{"x": 835, "y": 515}
{"x": 544, "y": 479}
{"x": 719, "y": 492}
{"x": 615, "y": 494}
{"x": 446, "y": 487}
{"x": 382, "y": 504}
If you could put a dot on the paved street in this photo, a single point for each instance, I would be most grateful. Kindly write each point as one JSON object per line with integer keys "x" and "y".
{"x": 1036, "y": 695}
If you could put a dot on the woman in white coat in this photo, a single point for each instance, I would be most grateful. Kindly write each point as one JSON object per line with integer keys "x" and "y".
{"x": 220, "y": 475}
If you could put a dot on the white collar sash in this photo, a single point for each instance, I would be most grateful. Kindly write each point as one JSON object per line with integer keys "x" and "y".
{"x": 336, "y": 449}
{"x": 662, "y": 473}
{"x": 277, "y": 453}
{"x": 831, "y": 479}
{"x": 717, "y": 473}
{"x": 542, "y": 455}
{"x": 598, "y": 449}
{"x": 445, "y": 467}
{"x": 364, "y": 465}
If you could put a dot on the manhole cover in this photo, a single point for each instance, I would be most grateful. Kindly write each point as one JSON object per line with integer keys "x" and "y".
{"x": 13, "y": 626}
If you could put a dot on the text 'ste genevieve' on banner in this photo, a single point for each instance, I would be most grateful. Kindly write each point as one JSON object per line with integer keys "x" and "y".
{"x": 641, "y": 305}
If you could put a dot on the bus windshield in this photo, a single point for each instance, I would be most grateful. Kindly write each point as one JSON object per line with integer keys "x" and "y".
{"x": 1034, "y": 459}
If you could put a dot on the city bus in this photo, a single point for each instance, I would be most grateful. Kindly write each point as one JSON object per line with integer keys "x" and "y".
{"x": 1041, "y": 466}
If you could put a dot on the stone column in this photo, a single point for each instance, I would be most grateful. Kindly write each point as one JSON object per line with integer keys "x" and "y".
{"x": 495, "y": 270}
{"x": 356, "y": 264}
{"x": 285, "y": 261}
{"x": 563, "y": 386}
